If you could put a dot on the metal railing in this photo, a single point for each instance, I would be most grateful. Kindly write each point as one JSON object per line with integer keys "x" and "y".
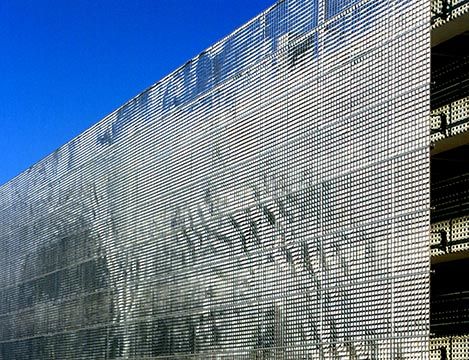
{"x": 449, "y": 348}
{"x": 444, "y": 10}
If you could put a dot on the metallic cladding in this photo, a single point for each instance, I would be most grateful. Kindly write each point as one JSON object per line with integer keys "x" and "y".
{"x": 267, "y": 200}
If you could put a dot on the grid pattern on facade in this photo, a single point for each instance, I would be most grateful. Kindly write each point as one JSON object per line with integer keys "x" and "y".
{"x": 455, "y": 348}
{"x": 268, "y": 200}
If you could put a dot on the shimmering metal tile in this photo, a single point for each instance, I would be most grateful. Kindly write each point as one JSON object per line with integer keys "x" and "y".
{"x": 268, "y": 200}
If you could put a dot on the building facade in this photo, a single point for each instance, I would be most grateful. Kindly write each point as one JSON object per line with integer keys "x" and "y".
{"x": 270, "y": 199}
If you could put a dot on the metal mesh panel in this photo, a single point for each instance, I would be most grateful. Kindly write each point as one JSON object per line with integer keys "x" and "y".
{"x": 268, "y": 200}
{"x": 455, "y": 347}
{"x": 450, "y": 235}
{"x": 450, "y": 120}
{"x": 446, "y": 10}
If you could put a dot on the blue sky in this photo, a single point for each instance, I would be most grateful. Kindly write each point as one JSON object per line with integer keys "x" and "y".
{"x": 64, "y": 65}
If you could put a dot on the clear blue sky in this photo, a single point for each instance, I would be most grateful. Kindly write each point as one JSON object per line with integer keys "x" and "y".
{"x": 64, "y": 65}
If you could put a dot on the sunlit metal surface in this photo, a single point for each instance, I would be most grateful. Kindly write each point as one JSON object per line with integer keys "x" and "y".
{"x": 268, "y": 200}
{"x": 455, "y": 348}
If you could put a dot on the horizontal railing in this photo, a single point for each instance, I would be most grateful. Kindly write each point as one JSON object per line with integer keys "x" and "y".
{"x": 449, "y": 348}
{"x": 444, "y": 10}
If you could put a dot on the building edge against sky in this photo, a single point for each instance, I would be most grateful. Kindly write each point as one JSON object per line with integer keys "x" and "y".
{"x": 116, "y": 128}
{"x": 269, "y": 199}
{"x": 230, "y": 209}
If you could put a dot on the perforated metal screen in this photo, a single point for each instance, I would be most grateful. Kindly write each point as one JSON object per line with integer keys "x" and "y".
{"x": 268, "y": 200}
